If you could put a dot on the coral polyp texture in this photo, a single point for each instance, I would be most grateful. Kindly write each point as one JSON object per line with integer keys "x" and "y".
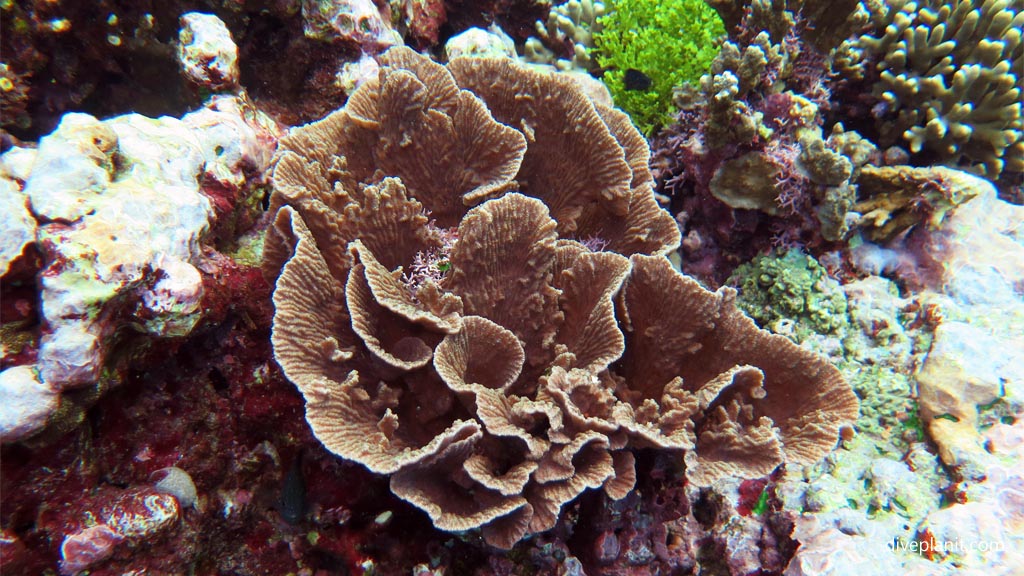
{"x": 527, "y": 367}
{"x": 948, "y": 79}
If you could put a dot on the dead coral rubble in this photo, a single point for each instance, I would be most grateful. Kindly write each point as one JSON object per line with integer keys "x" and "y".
{"x": 527, "y": 368}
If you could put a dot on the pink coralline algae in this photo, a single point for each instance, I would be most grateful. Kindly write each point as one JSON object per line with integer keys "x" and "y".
{"x": 87, "y": 548}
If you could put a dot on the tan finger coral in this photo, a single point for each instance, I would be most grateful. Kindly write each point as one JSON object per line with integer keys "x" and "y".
{"x": 948, "y": 79}
{"x": 435, "y": 309}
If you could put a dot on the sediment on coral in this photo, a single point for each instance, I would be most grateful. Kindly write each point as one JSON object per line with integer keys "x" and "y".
{"x": 537, "y": 356}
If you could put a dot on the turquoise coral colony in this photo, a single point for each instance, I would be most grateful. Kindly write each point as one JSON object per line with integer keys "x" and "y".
{"x": 567, "y": 287}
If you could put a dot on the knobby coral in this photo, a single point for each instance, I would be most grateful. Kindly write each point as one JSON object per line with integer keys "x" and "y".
{"x": 526, "y": 367}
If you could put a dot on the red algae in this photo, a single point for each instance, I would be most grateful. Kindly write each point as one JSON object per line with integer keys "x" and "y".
{"x": 750, "y": 495}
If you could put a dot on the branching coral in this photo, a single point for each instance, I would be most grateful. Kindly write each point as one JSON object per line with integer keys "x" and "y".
{"x": 827, "y": 22}
{"x": 528, "y": 371}
{"x": 566, "y": 37}
{"x": 949, "y": 79}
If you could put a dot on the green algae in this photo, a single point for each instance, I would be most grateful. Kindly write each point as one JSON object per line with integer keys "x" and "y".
{"x": 17, "y": 336}
{"x": 762, "y": 503}
{"x": 668, "y": 42}
{"x": 248, "y": 251}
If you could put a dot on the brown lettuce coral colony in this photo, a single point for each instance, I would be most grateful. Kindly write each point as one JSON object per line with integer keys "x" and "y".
{"x": 474, "y": 299}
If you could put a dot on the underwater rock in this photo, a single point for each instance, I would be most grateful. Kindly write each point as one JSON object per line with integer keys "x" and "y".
{"x": 976, "y": 259}
{"x": 27, "y": 403}
{"x": 206, "y": 52}
{"x": 422, "y": 20}
{"x": 985, "y": 532}
{"x": 352, "y": 74}
{"x": 967, "y": 367}
{"x": 130, "y": 518}
{"x": 86, "y": 548}
{"x": 17, "y": 223}
{"x": 126, "y": 206}
{"x": 489, "y": 43}
{"x": 108, "y": 229}
{"x": 354, "y": 21}
{"x": 845, "y": 543}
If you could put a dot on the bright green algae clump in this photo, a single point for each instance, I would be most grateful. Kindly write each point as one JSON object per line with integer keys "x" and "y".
{"x": 669, "y": 42}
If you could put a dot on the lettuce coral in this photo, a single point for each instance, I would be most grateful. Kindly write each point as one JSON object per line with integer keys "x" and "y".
{"x": 669, "y": 42}
{"x": 527, "y": 367}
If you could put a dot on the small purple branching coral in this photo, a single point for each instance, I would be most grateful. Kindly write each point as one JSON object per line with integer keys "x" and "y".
{"x": 594, "y": 244}
{"x": 785, "y": 238}
{"x": 431, "y": 265}
{"x": 789, "y": 180}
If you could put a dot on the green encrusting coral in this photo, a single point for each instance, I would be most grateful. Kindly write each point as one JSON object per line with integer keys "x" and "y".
{"x": 668, "y": 42}
{"x": 791, "y": 286}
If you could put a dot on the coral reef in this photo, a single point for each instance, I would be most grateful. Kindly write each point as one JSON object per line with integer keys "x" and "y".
{"x": 487, "y": 391}
{"x": 667, "y": 43}
{"x": 478, "y": 298}
{"x": 824, "y": 24}
{"x": 113, "y": 57}
{"x": 946, "y": 76}
{"x": 887, "y": 501}
{"x": 747, "y": 164}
